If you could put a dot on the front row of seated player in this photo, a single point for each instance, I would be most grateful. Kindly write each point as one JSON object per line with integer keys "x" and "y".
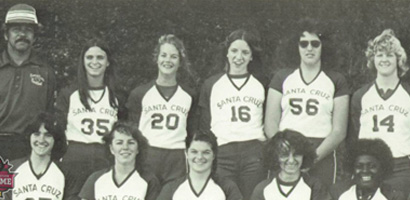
{"x": 288, "y": 155}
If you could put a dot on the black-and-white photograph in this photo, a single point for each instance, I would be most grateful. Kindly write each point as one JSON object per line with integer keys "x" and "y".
{"x": 204, "y": 100}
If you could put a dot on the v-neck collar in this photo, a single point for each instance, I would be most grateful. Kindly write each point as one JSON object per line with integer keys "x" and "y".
{"x": 203, "y": 187}
{"x": 163, "y": 95}
{"x": 38, "y": 176}
{"x": 125, "y": 180}
{"x": 293, "y": 184}
{"x": 230, "y": 77}
{"x": 101, "y": 97}
{"x": 389, "y": 93}
{"x": 313, "y": 80}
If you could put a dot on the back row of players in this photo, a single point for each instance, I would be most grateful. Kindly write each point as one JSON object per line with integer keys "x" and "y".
{"x": 309, "y": 99}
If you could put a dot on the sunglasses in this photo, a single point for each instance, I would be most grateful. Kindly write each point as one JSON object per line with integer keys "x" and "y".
{"x": 313, "y": 43}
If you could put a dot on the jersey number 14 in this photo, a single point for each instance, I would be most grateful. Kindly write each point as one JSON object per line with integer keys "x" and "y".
{"x": 388, "y": 121}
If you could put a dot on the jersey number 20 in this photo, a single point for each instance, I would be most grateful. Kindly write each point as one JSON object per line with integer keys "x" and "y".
{"x": 170, "y": 121}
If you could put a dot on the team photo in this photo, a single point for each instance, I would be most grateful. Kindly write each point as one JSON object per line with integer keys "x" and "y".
{"x": 204, "y": 100}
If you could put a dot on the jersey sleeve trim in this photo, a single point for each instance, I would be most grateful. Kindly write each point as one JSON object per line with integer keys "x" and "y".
{"x": 258, "y": 191}
{"x": 134, "y": 102}
{"x": 355, "y": 112}
{"x": 154, "y": 186}
{"x": 204, "y": 102}
{"x": 319, "y": 191}
{"x": 169, "y": 189}
{"x": 87, "y": 191}
{"x": 341, "y": 85}
{"x": 230, "y": 189}
{"x": 277, "y": 81}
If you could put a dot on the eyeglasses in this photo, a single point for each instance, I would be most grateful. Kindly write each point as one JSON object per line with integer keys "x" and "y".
{"x": 313, "y": 43}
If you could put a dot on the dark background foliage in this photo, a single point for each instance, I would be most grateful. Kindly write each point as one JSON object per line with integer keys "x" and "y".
{"x": 132, "y": 29}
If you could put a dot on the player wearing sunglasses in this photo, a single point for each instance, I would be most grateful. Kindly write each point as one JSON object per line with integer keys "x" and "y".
{"x": 311, "y": 100}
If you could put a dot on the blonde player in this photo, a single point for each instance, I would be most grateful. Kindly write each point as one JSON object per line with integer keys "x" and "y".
{"x": 89, "y": 109}
{"x": 381, "y": 108}
{"x": 231, "y": 106}
{"x": 162, "y": 108}
{"x": 38, "y": 176}
{"x": 312, "y": 100}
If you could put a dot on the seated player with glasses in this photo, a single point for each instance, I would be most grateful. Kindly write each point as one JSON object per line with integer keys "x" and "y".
{"x": 370, "y": 162}
{"x": 311, "y": 95}
{"x": 287, "y": 155}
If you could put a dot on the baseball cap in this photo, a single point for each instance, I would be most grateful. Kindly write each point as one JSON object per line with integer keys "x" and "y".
{"x": 21, "y": 14}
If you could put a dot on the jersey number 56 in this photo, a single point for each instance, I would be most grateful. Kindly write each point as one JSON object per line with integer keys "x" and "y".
{"x": 311, "y": 107}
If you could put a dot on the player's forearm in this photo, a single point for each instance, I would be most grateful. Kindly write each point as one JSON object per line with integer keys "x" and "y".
{"x": 330, "y": 143}
{"x": 273, "y": 113}
{"x": 271, "y": 128}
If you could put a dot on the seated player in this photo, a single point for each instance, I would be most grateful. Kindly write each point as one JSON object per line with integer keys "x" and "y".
{"x": 38, "y": 176}
{"x": 370, "y": 162}
{"x": 124, "y": 180}
{"x": 289, "y": 153}
{"x": 201, "y": 182}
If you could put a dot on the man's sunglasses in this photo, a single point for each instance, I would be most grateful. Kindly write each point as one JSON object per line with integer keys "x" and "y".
{"x": 305, "y": 43}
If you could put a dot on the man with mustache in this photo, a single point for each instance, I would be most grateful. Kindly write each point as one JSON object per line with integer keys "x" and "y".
{"x": 26, "y": 83}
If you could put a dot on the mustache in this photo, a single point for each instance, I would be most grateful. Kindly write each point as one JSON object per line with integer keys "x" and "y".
{"x": 23, "y": 40}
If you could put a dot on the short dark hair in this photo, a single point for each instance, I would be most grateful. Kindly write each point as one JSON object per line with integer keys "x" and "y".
{"x": 290, "y": 140}
{"x": 204, "y": 136}
{"x": 372, "y": 147}
{"x": 53, "y": 126}
{"x": 130, "y": 129}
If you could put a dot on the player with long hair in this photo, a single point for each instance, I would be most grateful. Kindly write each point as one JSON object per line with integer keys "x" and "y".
{"x": 381, "y": 108}
{"x": 231, "y": 106}
{"x": 311, "y": 99}
{"x": 163, "y": 109}
{"x": 126, "y": 179}
{"x": 286, "y": 155}
{"x": 201, "y": 182}
{"x": 88, "y": 109}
